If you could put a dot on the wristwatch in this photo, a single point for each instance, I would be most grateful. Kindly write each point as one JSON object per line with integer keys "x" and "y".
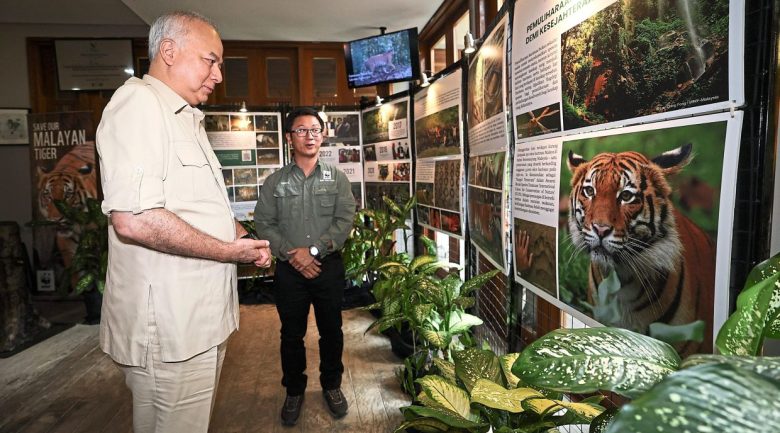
{"x": 314, "y": 251}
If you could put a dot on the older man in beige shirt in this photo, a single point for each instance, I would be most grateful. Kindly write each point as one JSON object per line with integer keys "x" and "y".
{"x": 170, "y": 301}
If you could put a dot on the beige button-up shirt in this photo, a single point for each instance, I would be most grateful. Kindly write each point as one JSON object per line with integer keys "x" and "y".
{"x": 154, "y": 153}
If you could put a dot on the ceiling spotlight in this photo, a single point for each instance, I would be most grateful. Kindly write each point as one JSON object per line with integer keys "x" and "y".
{"x": 378, "y": 100}
{"x": 243, "y": 107}
{"x": 468, "y": 41}
{"x": 425, "y": 82}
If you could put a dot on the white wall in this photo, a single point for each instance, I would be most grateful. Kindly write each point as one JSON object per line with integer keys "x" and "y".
{"x": 15, "y": 188}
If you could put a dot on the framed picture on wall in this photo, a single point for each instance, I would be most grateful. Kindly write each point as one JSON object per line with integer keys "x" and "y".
{"x": 13, "y": 126}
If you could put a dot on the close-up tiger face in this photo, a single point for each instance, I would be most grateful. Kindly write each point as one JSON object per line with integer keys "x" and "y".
{"x": 621, "y": 214}
{"x": 620, "y": 208}
{"x": 66, "y": 186}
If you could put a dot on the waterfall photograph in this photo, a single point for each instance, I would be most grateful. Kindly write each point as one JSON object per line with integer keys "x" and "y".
{"x": 642, "y": 57}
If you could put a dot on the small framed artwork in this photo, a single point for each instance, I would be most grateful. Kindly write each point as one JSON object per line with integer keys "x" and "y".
{"x": 13, "y": 126}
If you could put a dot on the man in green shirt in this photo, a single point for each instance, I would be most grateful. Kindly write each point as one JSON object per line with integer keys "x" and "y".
{"x": 305, "y": 210}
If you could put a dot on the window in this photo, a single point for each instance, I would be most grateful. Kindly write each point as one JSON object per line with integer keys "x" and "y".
{"x": 459, "y": 33}
{"x": 325, "y": 81}
{"x": 236, "y": 77}
{"x": 439, "y": 55}
{"x": 278, "y": 73}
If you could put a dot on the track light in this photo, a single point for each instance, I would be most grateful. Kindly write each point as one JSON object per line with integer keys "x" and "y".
{"x": 243, "y": 107}
{"x": 378, "y": 101}
{"x": 425, "y": 82}
{"x": 468, "y": 41}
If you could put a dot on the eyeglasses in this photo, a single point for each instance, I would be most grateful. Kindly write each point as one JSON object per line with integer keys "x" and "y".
{"x": 301, "y": 132}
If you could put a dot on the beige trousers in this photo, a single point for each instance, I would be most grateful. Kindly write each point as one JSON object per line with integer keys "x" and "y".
{"x": 174, "y": 397}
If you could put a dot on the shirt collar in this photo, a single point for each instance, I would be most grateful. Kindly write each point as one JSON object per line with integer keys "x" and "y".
{"x": 175, "y": 103}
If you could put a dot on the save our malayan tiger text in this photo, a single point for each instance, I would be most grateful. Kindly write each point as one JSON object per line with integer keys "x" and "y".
{"x": 47, "y": 136}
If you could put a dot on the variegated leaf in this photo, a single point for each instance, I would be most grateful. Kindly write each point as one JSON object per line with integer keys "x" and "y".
{"x": 592, "y": 359}
{"x": 584, "y": 411}
{"x": 768, "y": 366}
{"x": 707, "y": 398}
{"x": 474, "y": 364}
{"x": 757, "y": 308}
{"x": 436, "y": 338}
{"x": 465, "y": 302}
{"x": 421, "y": 261}
{"x": 507, "y": 361}
{"x": 541, "y": 405}
{"x": 449, "y": 396}
{"x": 446, "y": 368}
{"x": 450, "y": 418}
{"x": 424, "y": 425}
{"x": 495, "y": 396}
{"x": 421, "y": 313}
{"x": 476, "y": 282}
{"x": 391, "y": 306}
{"x": 462, "y": 322}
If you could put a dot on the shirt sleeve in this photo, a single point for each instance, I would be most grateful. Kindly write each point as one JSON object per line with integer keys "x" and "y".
{"x": 335, "y": 236}
{"x": 267, "y": 219}
{"x": 133, "y": 145}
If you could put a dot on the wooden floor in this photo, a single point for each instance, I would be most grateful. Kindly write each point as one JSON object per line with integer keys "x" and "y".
{"x": 66, "y": 384}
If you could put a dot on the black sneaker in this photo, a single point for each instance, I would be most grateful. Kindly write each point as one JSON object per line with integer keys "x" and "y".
{"x": 292, "y": 409}
{"x": 337, "y": 403}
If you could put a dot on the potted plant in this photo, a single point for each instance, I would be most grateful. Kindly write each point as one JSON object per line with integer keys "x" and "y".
{"x": 90, "y": 228}
{"x": 735, "y": 391}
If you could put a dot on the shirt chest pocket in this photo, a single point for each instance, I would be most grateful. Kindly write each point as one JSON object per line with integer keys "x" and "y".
{"x": 288, "y": 202}
{"x": 325, "y": 199}
{"x": 194, "y": 179}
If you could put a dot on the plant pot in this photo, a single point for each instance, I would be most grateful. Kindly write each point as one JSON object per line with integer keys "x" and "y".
{"x": 401, "y": 343}
{"x": 93, "y": 301}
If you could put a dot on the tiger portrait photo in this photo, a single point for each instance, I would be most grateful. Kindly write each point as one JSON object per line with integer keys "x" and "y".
{"x": 642, "y": 212}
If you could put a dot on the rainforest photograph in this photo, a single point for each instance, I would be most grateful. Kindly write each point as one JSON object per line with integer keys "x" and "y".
{"x": 642, "y": 57}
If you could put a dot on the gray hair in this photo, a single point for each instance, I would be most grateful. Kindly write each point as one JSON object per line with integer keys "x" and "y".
{"x": 172, "y": 25}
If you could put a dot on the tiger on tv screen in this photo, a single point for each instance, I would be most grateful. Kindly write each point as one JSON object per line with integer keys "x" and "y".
{"x": 643, "y": 207}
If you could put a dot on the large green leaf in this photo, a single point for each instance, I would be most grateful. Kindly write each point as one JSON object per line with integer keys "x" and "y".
{"x": 446, "y": 368}
{"x": 474, "y": 364}
{"x": 462, "y": 322}
{"x": 757, "y": 310}
{"x": 465, "y": 302}
{"x": 476, "y": 282}
{"x": 421, "y": 261}
{"x": 391, "y": 306}
{"x": 436, "y": 338}
{"x": 421, "y": 313}
{"x": 592, "y": 359}
{"x": 496, "y": 396}
{"x": 424, "y": 425}
{"x": 507, "y": 361}
{"x": 600, "y": 424}
{"x": 707, "y": 398}
{"x": 448, "y": 395}
{"x": 448, "y": 417}
{"x": 387, "y": 322}
{"x": 583, "y": 411}
{"x": 768, "y": 366}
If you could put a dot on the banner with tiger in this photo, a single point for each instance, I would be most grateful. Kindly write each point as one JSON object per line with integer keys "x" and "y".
{"x": 63, "y": 168}
{"x": 632, "y": 227}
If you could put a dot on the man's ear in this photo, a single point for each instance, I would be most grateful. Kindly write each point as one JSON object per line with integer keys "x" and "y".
{"x": 168, "y": 51}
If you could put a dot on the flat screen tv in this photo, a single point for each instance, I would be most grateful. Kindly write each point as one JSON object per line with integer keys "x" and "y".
{"x": 387, "y": 58}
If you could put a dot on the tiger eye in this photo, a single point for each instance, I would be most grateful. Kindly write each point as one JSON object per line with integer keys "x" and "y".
{"x": 589, "y": 191}
{"x": 626, "y": 196}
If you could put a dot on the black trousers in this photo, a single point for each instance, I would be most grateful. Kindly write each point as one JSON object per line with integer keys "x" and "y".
{"x": 294, "y": 295}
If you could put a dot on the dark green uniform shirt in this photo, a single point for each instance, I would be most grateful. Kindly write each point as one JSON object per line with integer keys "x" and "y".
{"x": 295, "y": 211}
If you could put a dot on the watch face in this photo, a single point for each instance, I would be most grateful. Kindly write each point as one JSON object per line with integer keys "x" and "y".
{"x": 314, "y": 250}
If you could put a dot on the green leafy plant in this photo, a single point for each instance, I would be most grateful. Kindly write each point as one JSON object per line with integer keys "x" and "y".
{"x": 90, "y": 228}
{"x": 699, "y": 394}
{"x": 478, "y": 392}
{"x": 371, "y": 243}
